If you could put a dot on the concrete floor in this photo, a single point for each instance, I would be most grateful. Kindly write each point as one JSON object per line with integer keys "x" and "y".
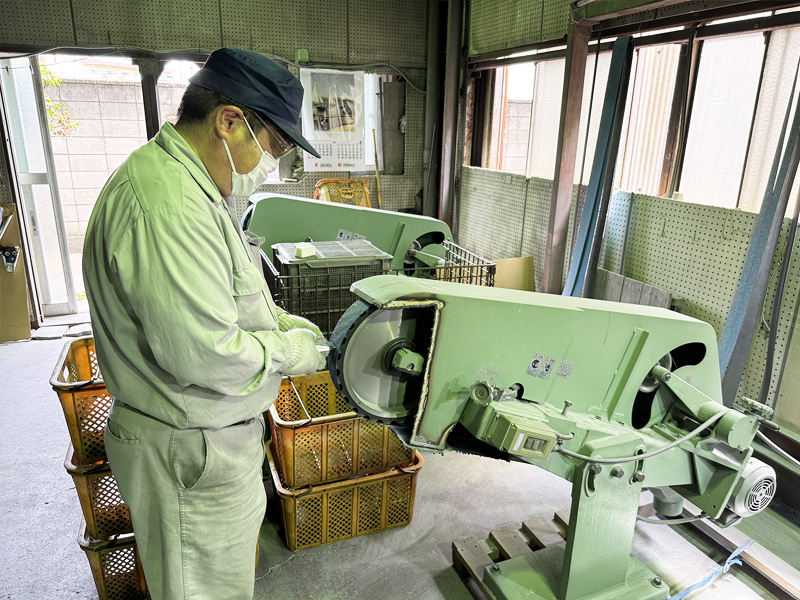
{"x": 457, "y": 496}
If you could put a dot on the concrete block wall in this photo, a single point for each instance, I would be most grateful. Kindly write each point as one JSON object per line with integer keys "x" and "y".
{"x": 110, "y": 119}
{"x": 518, "y": 124}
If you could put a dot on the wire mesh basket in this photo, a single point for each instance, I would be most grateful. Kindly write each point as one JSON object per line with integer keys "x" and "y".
{"x": 104, "y": 510}
{"x": 318, "y": 438}
{"x": 346, "y": 509}
{"x": 84, "y": 399}
{"x": 116, "y": 566}
{"x": 318, "y": 288}
{"x": 459, "y": 265}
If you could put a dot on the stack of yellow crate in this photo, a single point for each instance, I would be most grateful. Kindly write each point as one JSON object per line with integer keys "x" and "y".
{"x": 337, "y": 475}
{"x": 105, "y": 533}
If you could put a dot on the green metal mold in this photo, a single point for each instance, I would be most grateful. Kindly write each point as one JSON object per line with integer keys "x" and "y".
{"x": 286, "y": 219}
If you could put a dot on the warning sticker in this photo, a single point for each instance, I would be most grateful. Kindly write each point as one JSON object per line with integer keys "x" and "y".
{"x": 541, "y": 366}
{"x": 547, "y": 367}
{"x": 565, "y": 369}
{"x": 345, "y": 235}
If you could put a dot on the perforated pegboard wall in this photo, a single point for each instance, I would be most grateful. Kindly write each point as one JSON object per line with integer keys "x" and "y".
{"x": 497, "y": 25}
{"x": 697, "y": 254}
{"x": 5, "y": 189}
{"x": 177, "y": 24}
{"x": 694, "y": 252}
{"x": 756, "y": 363}
{"x": 321, "y": 29}
{"x": 49, "y": 25}
{"x": 402, "y": 37}
{"x": 614, "y": 235}
{"x": 555, "y": 19}
{"x": 537, "y": 217}
{"x": 575, "y": 212}
{"x": 397, "y": 191}
{"x": 491, "y": 211}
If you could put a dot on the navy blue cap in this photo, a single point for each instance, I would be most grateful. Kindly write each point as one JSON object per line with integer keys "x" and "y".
{"x": 259, "y": 83}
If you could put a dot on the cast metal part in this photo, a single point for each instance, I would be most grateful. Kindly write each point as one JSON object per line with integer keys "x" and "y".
{"x": 374, "y": 362}
{"x": 483, "y": 392}
{"x": 651, "y": 382}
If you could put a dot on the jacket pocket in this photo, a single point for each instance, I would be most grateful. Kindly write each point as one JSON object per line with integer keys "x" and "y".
{"x": 249, "y": 293}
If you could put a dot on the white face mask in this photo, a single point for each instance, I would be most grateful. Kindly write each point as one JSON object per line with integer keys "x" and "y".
{"x": 245, "y": 184}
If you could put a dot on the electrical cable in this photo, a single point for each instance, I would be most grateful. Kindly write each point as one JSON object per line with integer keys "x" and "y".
{"x": 777, "y": 449}
{"x": 678, "y": 521}
{"x": 646, "y": 455}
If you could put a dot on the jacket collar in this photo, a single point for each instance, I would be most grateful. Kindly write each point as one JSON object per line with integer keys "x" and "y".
{"x": 173, "y": 144}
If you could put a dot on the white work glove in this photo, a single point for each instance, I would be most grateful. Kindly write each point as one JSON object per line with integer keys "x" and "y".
{"x": 304, "y": 358}
{"x": 288, "y": 321}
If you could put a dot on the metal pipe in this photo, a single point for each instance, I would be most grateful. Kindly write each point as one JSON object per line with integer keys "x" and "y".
{"x": 571, "y": 97}
{"x": 776, "y": 307}
{"x": 608, "y": 183}
{"x": 450, "y": 119}
{"x": 432, "y": 83}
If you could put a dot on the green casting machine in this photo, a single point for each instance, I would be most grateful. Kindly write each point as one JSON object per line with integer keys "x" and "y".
{"x": 613, "y": 397}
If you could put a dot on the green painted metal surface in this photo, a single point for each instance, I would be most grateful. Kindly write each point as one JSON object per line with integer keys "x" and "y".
{"x": 696, "y": 253}
{"x": 535, "y": 577}
{"x": 528, "y": 373}
{"x": 286, "y": 219}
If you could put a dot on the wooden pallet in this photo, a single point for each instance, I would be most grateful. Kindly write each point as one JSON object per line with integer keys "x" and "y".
{"x": 472, "y": 556}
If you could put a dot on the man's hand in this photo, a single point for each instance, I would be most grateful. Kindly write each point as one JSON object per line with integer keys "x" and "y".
{"x": 304, "y": 358}
{"x": 288, "y": 321}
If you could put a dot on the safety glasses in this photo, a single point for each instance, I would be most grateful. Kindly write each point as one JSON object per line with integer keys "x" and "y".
{"x": 280, "y": 141}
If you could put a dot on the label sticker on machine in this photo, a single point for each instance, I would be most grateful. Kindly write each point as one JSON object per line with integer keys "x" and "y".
{"x": 345, "y": 235}
{"x": 565, "y": 369}
{"x": 540, "y": 366}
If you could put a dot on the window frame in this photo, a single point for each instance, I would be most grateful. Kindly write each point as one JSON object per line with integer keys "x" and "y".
{"x": 691, "y": 38}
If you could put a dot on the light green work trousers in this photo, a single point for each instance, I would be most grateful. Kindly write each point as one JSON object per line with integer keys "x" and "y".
{"x": 196, "y": 499}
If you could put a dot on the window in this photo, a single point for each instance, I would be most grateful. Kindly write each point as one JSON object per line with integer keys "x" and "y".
{"x": 735, "y": 109}
{"x": 96, "y": 119}
{"x": 653, "y": 83}
{"x": 779, "y": 71}
{"x": 719, "y": 126}
{"x": 526, "y": 111}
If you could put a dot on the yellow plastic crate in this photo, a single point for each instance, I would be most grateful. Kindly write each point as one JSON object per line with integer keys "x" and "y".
{"x": 346, "y": 509}
{"x": 319, "y": 439}
{"x": 354, "y": 192}
{"x": 116, "y": 566}
{"x": 104, "y": 511}
{"x": 84, "y": 399}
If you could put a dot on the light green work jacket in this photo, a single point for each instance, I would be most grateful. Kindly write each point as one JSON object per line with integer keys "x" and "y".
{"x": 184, "y": 326}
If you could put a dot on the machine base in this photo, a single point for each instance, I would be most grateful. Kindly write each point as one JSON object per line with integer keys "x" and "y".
{"x": 507, "y": 567}
{"x": 536, "y": 576}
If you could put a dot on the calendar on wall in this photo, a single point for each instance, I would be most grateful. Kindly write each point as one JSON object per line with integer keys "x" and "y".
{"x": 333, "y": 119}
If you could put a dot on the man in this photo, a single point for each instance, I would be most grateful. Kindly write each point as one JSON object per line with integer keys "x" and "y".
{"x": 189, "y": 341}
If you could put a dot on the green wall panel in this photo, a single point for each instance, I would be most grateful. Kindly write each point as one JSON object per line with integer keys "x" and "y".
{"x": 50, "y": 25}
{"x": 388, "y": 31}
{"x": 504, "y": 24}
{"x": 153, "y": 25}
{"x": 280, "y": 28}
